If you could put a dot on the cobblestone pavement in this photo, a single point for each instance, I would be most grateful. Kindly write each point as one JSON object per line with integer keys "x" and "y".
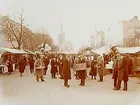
{"x": 16, "y": 90}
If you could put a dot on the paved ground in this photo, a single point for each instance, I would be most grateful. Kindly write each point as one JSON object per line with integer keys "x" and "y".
{"x": 16, "y": 90}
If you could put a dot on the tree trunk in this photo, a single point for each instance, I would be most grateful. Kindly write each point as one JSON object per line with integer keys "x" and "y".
{"x": 19, "y": 46}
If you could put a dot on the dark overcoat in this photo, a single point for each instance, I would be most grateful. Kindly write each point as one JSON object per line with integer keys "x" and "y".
{"x": 124, "y": 69}
{"x": 54, "y": 65}
{"x": 66, "y": 69}
{"x": 22, "y": 64}
{"x": 93, "y": 71}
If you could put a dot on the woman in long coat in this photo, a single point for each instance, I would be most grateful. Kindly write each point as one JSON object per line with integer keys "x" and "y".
{"x": 100, "y": 68}
{"x": 93, "y": 71}
{"x": 39, "y": 68}
{"x": 10, "y": 66}
{"x": 82, "y": 73}
{"x": 54, "y": 65}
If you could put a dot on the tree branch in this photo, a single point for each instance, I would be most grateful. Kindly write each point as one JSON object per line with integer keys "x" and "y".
{"x": 11, "y": 27}
{"x": 25, "y": 39}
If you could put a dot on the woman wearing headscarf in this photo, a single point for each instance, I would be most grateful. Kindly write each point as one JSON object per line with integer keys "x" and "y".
{"x": 93, "y": 71}
{"x": 101, "y": 68}
{"x": 39, "y": 68}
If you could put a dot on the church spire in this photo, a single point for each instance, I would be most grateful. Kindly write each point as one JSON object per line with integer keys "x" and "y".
{"x": 61, "y": 26}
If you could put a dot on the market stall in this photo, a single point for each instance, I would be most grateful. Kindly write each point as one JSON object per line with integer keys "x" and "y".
{"x": 9, "y": 52}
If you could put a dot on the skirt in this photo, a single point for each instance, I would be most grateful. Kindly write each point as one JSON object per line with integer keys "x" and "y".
{"x": 39, "y": 72}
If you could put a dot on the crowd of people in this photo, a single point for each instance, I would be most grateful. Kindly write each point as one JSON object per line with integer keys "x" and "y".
{"x": 63, "y": 66}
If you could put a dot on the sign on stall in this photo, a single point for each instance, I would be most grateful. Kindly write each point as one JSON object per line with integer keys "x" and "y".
{"x": 137, "y": 63}
{"x": 81, "y": 66}
{"x": 109, "y": 66}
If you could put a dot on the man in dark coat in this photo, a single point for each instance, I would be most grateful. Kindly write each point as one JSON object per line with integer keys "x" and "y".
{"x": 54, "y": 65}
{"x": 31, "y": 63}
{"x": 66, "y": 71}
{"x": 22, "y": 65}
{"x": 125, "y": 72}
{"x": 46, "y": 62}
{"x": 60, "y": 63}
{"x": 115, "y": 72}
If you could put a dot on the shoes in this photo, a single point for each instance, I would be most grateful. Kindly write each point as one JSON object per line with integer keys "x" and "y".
{"x": 115, "y": 88}
{"x": 124, "y": 89}
{"x": 43, "y": 80}
{"x": 67, "y": 86}
{"x": 83, "y": 85}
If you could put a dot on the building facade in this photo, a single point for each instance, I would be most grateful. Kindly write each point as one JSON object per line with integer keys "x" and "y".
{"x": 97, "y": 39}
{"x": 131, "y": 32}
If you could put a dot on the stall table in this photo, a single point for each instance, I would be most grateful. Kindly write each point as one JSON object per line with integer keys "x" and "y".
{"x": 2, "y": 69}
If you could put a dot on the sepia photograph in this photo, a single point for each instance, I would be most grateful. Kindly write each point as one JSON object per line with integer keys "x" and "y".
{"x": 69, "y": 52}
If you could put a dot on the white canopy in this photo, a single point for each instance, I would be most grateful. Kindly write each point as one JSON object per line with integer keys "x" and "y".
{"x": 128, "y": 49}
{"x": 14, "y": 51}
{"x": 101, "y": 50}
{"x": 47, "y": 47}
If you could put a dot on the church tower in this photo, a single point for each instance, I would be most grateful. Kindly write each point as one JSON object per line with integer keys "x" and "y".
{"x": 61, "y": 37}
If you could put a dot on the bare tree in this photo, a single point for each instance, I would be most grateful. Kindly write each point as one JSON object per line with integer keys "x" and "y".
{"x": 16, "y": 31}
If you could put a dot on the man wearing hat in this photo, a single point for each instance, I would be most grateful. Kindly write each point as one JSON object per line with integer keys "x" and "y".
{"x": 66, "y": 71}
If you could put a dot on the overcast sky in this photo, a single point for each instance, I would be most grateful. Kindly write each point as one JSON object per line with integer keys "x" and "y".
{"x": 79, "y": 17}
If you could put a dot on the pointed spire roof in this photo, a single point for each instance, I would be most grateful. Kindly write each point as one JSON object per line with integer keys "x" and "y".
{"x": 95, "y": 31}
{"x": 61, "y": 26}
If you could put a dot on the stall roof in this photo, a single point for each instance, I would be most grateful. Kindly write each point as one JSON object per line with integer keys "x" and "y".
{"x": 90, "y": 53}
{"x": 128, "y": 49}
{"x": 30, "y": 52}
{"x": 14, "y": 51}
